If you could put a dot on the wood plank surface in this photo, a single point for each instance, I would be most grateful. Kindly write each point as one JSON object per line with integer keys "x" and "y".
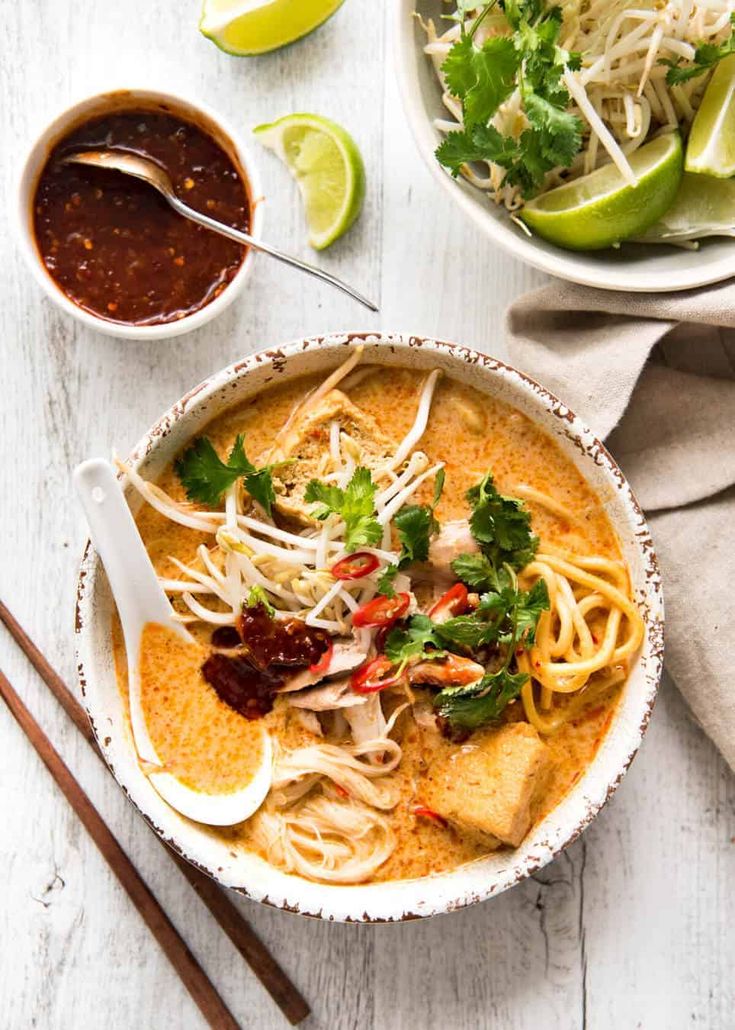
{"x": 632, "y": 927}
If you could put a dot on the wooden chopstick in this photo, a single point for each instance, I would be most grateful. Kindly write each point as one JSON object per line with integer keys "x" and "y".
{"x": 191, "y": 973}
{"x": 274, "y": 979}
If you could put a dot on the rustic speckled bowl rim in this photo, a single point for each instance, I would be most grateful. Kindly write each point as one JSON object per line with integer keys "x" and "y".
{"x": 477, "y": 881}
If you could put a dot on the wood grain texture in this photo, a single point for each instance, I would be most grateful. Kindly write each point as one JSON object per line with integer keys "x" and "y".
{"x": 632, "y": 927}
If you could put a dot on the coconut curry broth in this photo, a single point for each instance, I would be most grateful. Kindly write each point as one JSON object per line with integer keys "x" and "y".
{"x": 470, "y": 433}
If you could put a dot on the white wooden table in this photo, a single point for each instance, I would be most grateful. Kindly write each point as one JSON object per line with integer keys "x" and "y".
{"x": 632, "y": 927}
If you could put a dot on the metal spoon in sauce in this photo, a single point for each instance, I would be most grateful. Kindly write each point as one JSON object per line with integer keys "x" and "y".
{"x": 140, "y": 600}
{"x": 154, "y": 175}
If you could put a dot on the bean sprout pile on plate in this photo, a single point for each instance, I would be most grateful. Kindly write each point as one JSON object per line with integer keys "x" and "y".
{"x": 624, "y": 71}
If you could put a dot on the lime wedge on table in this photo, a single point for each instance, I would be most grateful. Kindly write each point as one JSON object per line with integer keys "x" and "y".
{"x": 601, "y": 208}
{"x": 326, "y": 164}
{"x": 711, "y": 146}
{"x": 248, "y": 27}
{"x": 704, "y": 206}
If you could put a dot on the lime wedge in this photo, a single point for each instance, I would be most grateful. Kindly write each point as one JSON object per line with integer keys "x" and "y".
{"x": 248, "y": 27}
{"x": 704, "y": 206}
{"x": 711, "y": 146}
{"x": 600, "y": 209}
{"x": 325, "y": 162}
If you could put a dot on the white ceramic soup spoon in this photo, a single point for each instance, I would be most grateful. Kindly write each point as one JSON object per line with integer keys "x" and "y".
{"x": 140, "y": 600}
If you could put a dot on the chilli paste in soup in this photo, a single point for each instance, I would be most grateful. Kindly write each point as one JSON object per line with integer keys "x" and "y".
{"x": 416, "y": 594}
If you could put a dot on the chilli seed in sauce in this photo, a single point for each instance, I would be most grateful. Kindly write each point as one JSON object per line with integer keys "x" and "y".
{"x": 114, "y": 246}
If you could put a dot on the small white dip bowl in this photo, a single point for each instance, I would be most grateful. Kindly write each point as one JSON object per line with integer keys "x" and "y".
{"x": 106, "y": 103}
{"x": 632, "y": 267}
{"x": 400, "y": 899}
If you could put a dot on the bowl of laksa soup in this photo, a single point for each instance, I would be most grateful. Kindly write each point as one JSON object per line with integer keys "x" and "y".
{"x": 424, "y": 627}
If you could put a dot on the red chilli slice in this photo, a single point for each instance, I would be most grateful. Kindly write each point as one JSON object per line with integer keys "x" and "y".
{"x": 355, "y": 566}
{"x": 375, "y": 675}
{"x": 453, "y": 603}
{"x": 420, "y": 811}
{"x": 325, "y": 661}
{"x": 381, "y": 611}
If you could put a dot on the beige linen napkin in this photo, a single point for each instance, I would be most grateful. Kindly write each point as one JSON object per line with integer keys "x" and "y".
{"x": 654, "y": 375}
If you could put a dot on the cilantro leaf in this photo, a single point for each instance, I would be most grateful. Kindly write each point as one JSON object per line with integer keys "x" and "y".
{"x": 414, "y": 639}
{"x": 480, "y": 143}
{"x": 355, "y": 505}
{"x": 469, "y": 632}
{"x": 706, "y": 56}
{"x": 385, "y": 580}
{"x": 519, "y": 11}
{"x": 481, "y": 77}
{"x": 415, "y": 525}
{"x": 501, "y": 525}
{"x": 557, "y": 132}
{"x": 259, "y": 485}
{"x": 475, "y": 570}
{"x": 329, "y": 498}
{"x": 478, "y": 703}
{"x": 206, "y": 478}
{"x": 528, "y": 608}
{"x": 505, "y": 615}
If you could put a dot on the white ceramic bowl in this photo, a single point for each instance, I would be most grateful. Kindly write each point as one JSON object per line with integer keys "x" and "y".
{"x": 478, "y": 880}
{"x": 104, "y": 103}
{"x": 633, "y": 267}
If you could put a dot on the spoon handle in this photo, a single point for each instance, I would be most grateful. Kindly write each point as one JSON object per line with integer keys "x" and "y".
{"x": 135, "y": 587}
{"x": 248, "y": 240}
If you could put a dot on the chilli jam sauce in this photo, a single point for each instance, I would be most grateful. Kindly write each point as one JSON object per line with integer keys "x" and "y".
{"x": 112, "y": 243}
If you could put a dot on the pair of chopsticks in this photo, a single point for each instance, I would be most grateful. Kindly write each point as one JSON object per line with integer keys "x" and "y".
{"x": 262, "y": 963}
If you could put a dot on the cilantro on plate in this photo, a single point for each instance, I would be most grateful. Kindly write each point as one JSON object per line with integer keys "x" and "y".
{"x": 509, "y": 617}
{"x": 706, "y": 56}
{"x": 483, "y": 77}
{"x": 506, "y": 617}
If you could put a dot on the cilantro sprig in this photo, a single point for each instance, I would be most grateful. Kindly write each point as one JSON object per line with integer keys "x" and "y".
{"x": 483, "y": 77}
{"x": 476, "y": 704}
{"x": 415, "y": 525}
{"x": 505, "y": 619}
{"x": 206, "y": 478}
{"x": 516, "y": 615}
{"x": 706, "y": 56}
{"x": 355, "y": 505}
{"x": 416, "y": 639}
{"x": 501, "y": 525}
